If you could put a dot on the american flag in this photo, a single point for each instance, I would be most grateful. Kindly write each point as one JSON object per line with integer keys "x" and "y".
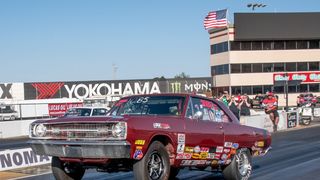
{"x": 216, "y": 19}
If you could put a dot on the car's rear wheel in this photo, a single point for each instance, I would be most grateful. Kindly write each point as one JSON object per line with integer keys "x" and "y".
{"x": 66, "y": 171}
{"x": 155, "y": 165}
{"x": 241, "y": 166}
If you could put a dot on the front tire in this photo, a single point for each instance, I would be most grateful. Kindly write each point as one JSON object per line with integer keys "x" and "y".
{"x": 241, "y": 166}
{"x": 155, "y": 165}
{"x": 65, "y": 171}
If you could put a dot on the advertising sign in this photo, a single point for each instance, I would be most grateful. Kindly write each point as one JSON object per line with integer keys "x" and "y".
{"x": 87, "y": 89}
{"x": 307, "y": 77}
{"x": 291, "y": 119}
{"x": 59, "y": 109}
{"x": 19, "y": 158}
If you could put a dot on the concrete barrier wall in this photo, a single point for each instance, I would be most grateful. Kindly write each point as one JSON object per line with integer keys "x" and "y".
{"x": 10, "y": 129}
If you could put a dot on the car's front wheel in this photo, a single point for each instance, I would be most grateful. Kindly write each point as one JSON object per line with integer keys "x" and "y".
{"x": 241, "y": 166}
{"x": 155, "y": 165}
{"x": 66, "y": 171}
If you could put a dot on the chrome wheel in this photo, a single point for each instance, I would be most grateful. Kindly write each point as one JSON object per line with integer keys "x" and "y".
{"x": 244, "y": 166}
{"x": 155, "y": 166}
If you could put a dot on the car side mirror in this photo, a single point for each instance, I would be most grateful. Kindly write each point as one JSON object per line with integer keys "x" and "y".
{"x": 198, "y": 115}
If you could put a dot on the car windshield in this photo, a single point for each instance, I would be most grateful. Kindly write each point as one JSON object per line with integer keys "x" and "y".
{"x": 149, "y": 105}
{"x": 78, "y": 112}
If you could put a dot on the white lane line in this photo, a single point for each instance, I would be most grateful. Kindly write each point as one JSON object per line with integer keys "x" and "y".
{"x": 29, "y": 176}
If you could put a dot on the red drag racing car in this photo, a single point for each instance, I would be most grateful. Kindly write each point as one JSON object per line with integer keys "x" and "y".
{"x": 153, "y": 135}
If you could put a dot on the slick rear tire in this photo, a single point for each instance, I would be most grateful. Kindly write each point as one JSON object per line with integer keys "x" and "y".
{"x": 155, "y": 165}
{"x": 66, "y": 171}
{"x": 240, "y": 167}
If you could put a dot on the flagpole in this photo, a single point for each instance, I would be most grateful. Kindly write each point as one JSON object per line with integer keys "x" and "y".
{"x": 228, "y": 35}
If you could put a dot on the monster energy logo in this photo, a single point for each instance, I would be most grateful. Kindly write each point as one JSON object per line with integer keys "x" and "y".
{"x": 175, "y": 87}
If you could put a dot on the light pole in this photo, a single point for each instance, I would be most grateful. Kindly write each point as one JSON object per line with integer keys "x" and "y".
{"x": 114, "y": 71}
{"x": 256, "y": 5}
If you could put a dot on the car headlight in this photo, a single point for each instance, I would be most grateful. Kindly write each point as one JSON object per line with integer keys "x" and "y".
{"x": 119, "y": 130}
{"x": 39, "y": 130}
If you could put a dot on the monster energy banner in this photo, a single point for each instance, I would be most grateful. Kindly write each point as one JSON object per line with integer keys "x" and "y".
{"x": 85, "y": 89}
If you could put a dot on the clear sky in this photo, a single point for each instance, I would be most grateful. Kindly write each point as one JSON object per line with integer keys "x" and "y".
{"x": 65, "y": 40}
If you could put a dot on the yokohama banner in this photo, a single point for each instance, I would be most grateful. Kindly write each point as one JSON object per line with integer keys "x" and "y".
{"x": 85, "y": 89}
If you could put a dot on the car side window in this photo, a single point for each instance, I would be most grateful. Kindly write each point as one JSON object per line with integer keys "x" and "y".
{"x": 99, "y": 112}
{"x": 207, "y": 110}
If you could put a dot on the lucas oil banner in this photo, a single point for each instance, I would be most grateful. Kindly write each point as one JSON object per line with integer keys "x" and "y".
{"x": 86, "y": 89}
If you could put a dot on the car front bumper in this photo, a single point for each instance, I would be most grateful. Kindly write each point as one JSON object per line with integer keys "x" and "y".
{"x": 81, "y": 149}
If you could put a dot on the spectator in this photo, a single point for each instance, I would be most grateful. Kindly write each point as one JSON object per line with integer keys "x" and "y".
{"x": 233, "y": 106}
{"x": 245, "y": 106}
{"x": 225, "y": 98}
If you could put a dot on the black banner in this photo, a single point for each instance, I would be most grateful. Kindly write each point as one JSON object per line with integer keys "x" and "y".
{"x": 85, "y": 89}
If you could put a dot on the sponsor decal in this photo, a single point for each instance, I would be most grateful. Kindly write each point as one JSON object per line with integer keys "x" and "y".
{"x": 161, "y": 126}
{"x": 204, "y": 149}
{"x": 203, "y": 155}
{"x": 211, "y": 155}
{"x": 59, "y": 109}
{"x": 235, "y": 146}
{"x": 226, "y": 150}
{"x": 217, "y": 156}
{"x": 139, "y": 142}
{"x": 224, "y": 156}
{"x": 180, "y": 148}
{"x": 195, "y": 155}
{"x": 138, "y": 154}
{"x": 47, "y": 90}
{"x": 221, "y": 162}
{"x": 219, "y": 149}
{"x": 181, "y": 138}
{"x": 20, "y": 158}
{"x": 5, "y": 91}
{"x": 208, "y": 162}
{"x": 184, "y": 156}
{"x": 188, "y": 149}
{"x": 259, "y": 144}
{"x": 228, "y": 144}
{"x": 196, "y": 149}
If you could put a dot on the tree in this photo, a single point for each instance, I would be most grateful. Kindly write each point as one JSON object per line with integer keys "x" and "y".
{"x": 182, "y": 76}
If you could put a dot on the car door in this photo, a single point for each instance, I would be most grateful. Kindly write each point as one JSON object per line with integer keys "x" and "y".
{"x": 204, "y": 133}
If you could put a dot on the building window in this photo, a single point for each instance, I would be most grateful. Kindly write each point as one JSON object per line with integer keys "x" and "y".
{"x": 314, "y": 44}
{"x": 257, "y": 45}
{"x": 267, "y": 45}
{"x": 292, "y": 88}
{"x": 246, "y": 68}
{"x": 235, "y": 45}
{"x": 302, "y": 88}
{"x": 278, "y": 89}
{"x": 314, "y": 87}
{"x": 246, "y": 45}
{"x": 235, "y": 68}
{"x": 313, "y": 66}
{"x": 278, "y": 67}
{"x": 247, "y": 90}
{"x": 291, "y": 66}
{"x": 219, "y": 48}
{"x": 302, "y": 66}
{"x": 278, "y": 45}
{"x": 257, "y": 67}
{"x": 236, "y": 90}
{"x": 302, "y": 44}
{"x": 220, "y": 69}
{"x": 257, "y": 90}
{"x": 267, "y": 88}
{"x": 267, "y": 67}
{"x": 291, "y": 45}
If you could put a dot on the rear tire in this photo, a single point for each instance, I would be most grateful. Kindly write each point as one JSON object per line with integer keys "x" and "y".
{"x": 66, "y": 171}
{"x": 155, "y": 165}
{"x": 240, "y": 167}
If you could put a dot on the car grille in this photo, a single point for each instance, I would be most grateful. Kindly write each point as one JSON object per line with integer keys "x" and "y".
{"x": 79, "y": 131}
